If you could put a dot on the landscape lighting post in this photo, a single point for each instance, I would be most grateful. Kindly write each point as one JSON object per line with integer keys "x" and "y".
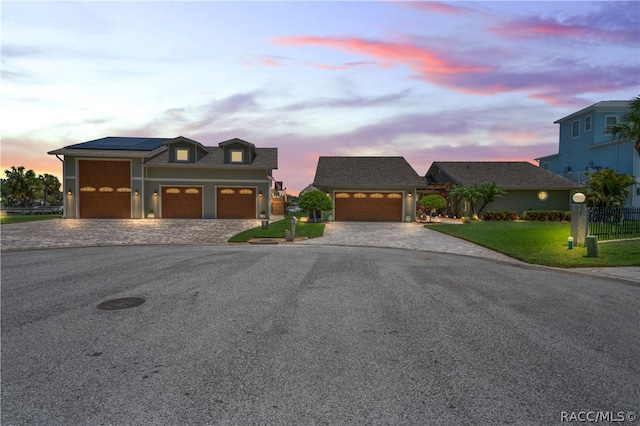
{"x": 579, "y": 219}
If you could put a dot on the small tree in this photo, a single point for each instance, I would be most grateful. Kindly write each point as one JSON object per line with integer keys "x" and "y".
{"x": 315, "y": 201}
{"x": 432, "y": 202}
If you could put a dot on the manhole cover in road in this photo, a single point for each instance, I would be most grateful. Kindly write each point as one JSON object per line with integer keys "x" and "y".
{"x": 124, "y": 303}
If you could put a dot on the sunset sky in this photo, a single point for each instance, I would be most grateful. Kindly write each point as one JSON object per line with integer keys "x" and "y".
{"x": 430, "y": 81}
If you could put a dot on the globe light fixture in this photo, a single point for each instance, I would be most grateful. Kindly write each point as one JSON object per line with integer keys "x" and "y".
{"x": 578, "y": 197}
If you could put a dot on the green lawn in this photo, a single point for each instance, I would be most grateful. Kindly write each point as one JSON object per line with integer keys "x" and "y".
{"x": 276, "y": 230}
{"x": 17, "y": 218}
{"x": 542, "y": 243}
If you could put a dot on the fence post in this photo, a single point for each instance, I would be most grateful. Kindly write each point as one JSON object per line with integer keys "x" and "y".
{"x": 579, "y": 223}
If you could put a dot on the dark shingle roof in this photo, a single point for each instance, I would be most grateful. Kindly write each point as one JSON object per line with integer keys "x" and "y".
{"x": 155, "y": 150}
{"x": 265, "y": 158}
{"x": 366, "y": 171}
{"x": 507, "y": 174}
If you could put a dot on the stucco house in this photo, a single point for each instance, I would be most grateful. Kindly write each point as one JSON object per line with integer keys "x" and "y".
{"x": 125, "y": 177}
{"x": 586, "y": 146}
{"x": 528, "y": 187}
{"x": 369, "y": 189}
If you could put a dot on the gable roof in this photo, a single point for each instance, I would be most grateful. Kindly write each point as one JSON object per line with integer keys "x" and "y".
{"x": 181, "y": 139}
{"x": 507, "y": 174}
{"x": 366, "y": 171}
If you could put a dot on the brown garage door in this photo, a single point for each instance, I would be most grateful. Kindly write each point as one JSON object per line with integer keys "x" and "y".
{"x": 182, "y": 202}
{"x": 105, "y": 190}
{"x": 368, "y": 206}
{"x": 236, "y": 203}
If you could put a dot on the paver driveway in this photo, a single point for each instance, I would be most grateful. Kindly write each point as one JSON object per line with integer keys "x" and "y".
{"x": 107, "y": 232}
{"x": 412, "y": 236}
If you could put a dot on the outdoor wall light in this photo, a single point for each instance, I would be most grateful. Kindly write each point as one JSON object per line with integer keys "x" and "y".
{"x": 136, "y": 193}
{"x": 328, "y": 195}
{"x": 543, "y": 195}
{"x": 155, "y": 193}
{"x": 260, "y": 194}
{"x": 579, "y": 197}
{"x": 69, "y": 192}
{"x": 410, "y": 195}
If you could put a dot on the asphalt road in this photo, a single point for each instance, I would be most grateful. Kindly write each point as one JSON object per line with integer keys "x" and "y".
{"x": 307, "y": 335}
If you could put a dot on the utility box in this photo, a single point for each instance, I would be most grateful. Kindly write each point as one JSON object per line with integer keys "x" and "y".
{"x": 591, "y": 241}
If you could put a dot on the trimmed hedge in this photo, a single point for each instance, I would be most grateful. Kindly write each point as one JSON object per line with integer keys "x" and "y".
{"x": 547, "y": 215}
{"x": 497, "y": 216}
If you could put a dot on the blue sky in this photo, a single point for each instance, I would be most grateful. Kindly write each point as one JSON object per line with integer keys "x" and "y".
{"x": 430, "y": 81}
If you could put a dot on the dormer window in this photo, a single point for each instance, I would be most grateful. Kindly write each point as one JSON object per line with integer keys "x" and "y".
{"x": 237, "y": 156}
{"x": 182, "y": 154}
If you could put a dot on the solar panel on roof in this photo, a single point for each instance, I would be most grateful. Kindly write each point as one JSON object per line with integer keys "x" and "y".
{"x": 122, "y": 143}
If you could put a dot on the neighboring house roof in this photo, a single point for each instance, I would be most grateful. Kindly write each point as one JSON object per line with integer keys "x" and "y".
{"x": 366, "y": 172}
{"x": 506, "y": 174}
{"x": 613, "y": 106}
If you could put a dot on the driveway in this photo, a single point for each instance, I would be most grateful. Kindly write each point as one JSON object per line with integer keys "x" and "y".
{"x": 411, "y": 236}
{"x": 58, "y": 233}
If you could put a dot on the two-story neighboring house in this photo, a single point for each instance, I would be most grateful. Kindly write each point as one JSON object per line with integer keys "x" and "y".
{"x": 586, "y": 146}
{"x": 128, "y": 178}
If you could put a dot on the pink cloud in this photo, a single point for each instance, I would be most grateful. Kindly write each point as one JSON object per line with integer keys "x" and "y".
{"x": 420, "y": 59}
{"x": 433, "y": 6}
{"x": 327, "y": 67}
{"x": 612, "y": 23}
{"x": 551, "y": 83}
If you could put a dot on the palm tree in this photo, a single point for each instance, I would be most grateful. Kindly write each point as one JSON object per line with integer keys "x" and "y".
{"x": 489, "y": 192}
{"x": 629, "y": 127}
{"x": 50, "y": 185}
{"x": 470, "y": 194}
{"x": 608, "y": 188}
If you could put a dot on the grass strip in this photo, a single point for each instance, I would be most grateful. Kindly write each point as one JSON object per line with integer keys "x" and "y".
{"x": 276, "y": 230}
{"x": 19, "y": 218}
{"x": 542, "y": 243}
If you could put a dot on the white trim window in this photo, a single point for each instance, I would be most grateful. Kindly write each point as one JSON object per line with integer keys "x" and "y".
{"x": 575, "y": 129}
{"x": 587, "y": 124}
{"x": 609, "y": 120}
{"x": 236, "y": 156}
{"x": 182, "y": 154}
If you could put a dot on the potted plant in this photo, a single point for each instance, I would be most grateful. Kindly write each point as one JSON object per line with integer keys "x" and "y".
{"x": 151, "y": 214}
{"x": 263, "y": 214}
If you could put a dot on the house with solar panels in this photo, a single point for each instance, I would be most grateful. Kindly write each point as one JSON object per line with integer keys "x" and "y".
{"x": 132, "y": 178}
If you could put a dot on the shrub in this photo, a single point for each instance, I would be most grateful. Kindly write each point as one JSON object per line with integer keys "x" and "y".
{"x": 547, "y": 215}
{"x": 503, "y": 215}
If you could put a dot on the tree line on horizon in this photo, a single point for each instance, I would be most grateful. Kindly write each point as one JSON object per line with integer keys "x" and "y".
{"x": 23, "y": 188}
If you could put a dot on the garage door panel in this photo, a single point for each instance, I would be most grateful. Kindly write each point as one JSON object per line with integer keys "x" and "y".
{"x": 367, "y": 207}
{"x": 105, "y": 191}
{"x": 236, "y": 203}
{"x": 182, "y": 202}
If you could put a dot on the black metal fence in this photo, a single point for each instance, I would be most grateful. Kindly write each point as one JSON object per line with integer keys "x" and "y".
{"x": 610, "y": 223}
